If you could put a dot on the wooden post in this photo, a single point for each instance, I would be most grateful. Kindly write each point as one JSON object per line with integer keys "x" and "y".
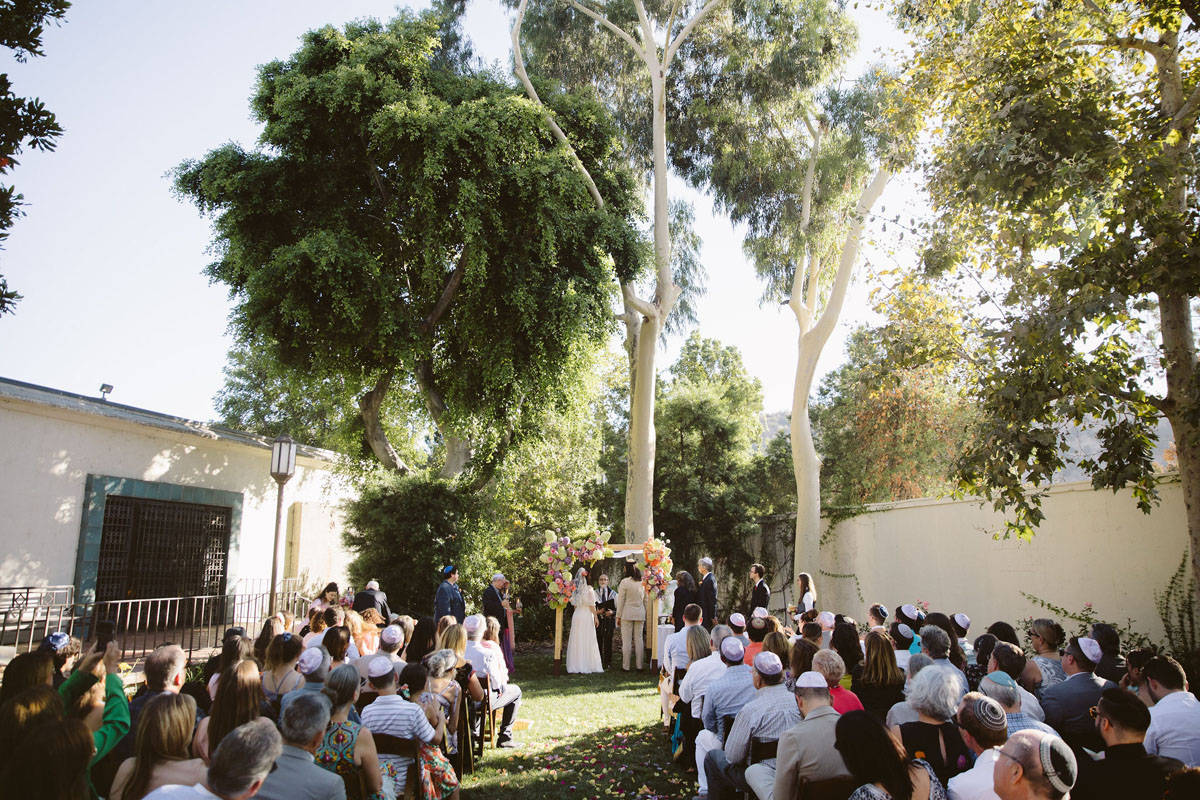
{"x": 653, "y": 633}
{"x": 558, "y": 617}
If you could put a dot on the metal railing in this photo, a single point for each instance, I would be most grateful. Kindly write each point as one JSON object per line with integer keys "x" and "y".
{"x": 194, "y": 623}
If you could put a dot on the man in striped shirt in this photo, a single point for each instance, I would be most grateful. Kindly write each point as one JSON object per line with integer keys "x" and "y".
{"x": 768, "y": 716}
{"x": 393, "y": 715}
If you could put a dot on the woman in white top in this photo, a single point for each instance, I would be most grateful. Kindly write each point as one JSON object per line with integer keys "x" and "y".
{"x": 161, "y": 749}
{"x": 631, "y": 614}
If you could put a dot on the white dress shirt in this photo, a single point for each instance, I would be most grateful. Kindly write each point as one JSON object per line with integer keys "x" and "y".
{"x": 179, "y": 792}
{"x": 1174, "y": 730}
{"x": 699, "y": 675}
{"x": 1030, "y": 704}
{"x": 975, "y": 783}
{"x": 483, "y": 659}
{"x": 675, "y": 651}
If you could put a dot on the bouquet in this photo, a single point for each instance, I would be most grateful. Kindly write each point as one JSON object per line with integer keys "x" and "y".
{"x": 657, "y": 574}
{"x": 593, "y": 548}
{"x": 558, "y": 555}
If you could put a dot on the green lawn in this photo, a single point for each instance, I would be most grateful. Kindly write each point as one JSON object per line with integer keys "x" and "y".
{"x": 592, "y": 736}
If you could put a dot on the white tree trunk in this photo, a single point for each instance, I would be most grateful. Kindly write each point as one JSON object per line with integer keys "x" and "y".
{"x": 639, "y": 485}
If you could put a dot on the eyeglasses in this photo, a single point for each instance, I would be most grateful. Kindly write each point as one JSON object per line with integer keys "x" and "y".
{"x": 1000, "y": 750}
{"x": 1094, "y": 711}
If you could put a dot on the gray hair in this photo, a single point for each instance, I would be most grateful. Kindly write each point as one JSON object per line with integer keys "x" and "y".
{"x": 1007, "y": 696}
{"x": 916, "y": 663}
{"x": 439, "y": 663}
{"x": 304, "y": 718}
{"x": 244, "y": 757}
{"x": 934, "y": 692}
{"x": 719, "y": 634}
{"x": 831, "y": 665}
{"x": 163, "y": 665}
{"x": 935, "y": 641}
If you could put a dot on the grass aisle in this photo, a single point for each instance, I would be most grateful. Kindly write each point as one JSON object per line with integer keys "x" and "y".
{"x": 592, "y": 736}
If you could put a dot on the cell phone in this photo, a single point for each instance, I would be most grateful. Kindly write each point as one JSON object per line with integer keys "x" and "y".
{"x": 105, "y": 633}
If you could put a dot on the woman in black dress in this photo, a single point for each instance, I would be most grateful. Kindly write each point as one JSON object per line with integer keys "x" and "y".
{"x": 685, "y": 595}
{"x": 934, "y": 695}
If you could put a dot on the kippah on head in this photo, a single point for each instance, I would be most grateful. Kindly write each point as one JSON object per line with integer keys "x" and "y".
{"x": 737, "y": 619}
{"x": 767, "y": 663}
{"x": 392, "y": 634}
{"x": 706, "y": 562}
{"x": 499, "y": 576}
{"x": 310, "y": 661}
{"x": 990, "y": 714}
{"x": 380, "y": 666}
{"x": 759, "y": 613}
{"x": 1058, "y": 763}
{"x": 812, "y": 680}
{"x": 55, "y": 641}
{"x": 1002, "y": 678}
{"x": 448, "y": 569}
{"x": 732, "y": 649}
{"x": 472, "y": 623}
{"x": 1090, "y": 648}
{"x": 826, "y": 619}
{"x": 963, "y": 621}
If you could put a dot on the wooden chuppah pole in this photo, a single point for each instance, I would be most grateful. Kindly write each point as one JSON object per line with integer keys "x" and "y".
{"x": 558, "y": 617}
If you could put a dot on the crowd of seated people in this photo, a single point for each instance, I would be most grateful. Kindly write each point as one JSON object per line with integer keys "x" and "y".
{"x": 908, "y": 706}
{"x": 345, "y": 707}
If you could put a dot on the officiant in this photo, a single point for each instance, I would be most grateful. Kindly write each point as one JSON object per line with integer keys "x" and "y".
{"x": 606, "y": 608}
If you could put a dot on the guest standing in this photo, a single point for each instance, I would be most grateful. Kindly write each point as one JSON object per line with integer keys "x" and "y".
{"x": 631, "y": 614}
{"x": 449, "y": 599}
{"x": 606, "y": 607}
{"x": 707, "y": 596}
{"x": 495, "y": 606}
{"x": 685, "y": 595}
{"x": 760, "y": 597}
{"x": 371, "y": 597}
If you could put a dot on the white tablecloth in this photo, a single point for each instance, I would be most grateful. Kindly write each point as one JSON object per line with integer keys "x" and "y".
{"x": 663, "y": 632}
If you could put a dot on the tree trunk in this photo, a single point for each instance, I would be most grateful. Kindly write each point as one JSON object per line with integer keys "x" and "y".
{"x": 369, "y": 405}
{"x": 1180, "y": 351}
{"x": 639, "y": 485}
{"x": 458, "y": 453}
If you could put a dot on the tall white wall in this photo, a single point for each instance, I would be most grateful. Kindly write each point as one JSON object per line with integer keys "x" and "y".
{"x": 46, "y": 454}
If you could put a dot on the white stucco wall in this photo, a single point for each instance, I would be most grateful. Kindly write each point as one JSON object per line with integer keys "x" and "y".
{"x": 47, "y": 453}
{"x": 1093, "y": 547}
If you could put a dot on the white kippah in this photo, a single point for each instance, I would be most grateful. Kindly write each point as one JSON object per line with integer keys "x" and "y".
{"x": 392, "y": 635}
{"x": 1090, "y": 648}
{"x": 826, "y": 619}
{"x": 904, "y": 630}
{"x": 373, "y": 586}
{"x": 380, "y": 666}
{"x": 812, "y": 680}
{"x": 910, "y": 611}
{"x": 767, "y": 663}
{"x": 472, "y": 623}
{"x": 963, "y": 621}
{"x": 759, "y": 613}
{"x": 733, "y": 649}
{"x": 737, "y": 619}
{"x": 310, "y": 660}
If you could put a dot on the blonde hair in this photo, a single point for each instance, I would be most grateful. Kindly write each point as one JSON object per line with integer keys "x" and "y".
{"x": 354, "y": 622}
{"x": 880, "y": 667}
{"x": 164, "y": 733}
{"x": 454, "y": 638}
{"x": 698, "y": 643}
{"x": 492, "y": 631}
{"x": 777, "y": 642}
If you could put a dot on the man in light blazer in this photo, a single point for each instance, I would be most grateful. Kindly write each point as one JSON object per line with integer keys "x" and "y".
{"x": 296, "y": 776}
{"x": 707, "y": 596}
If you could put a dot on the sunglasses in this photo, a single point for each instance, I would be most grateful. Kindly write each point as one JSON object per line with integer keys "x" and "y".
{"x": 1094, "y": 712}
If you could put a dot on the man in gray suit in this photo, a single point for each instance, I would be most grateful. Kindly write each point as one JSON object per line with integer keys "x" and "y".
{"x": 296, "y": 777}
{"x": 1068, "y": 704}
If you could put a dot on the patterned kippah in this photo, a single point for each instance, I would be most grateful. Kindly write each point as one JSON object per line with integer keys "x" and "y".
{"x": 990, "y": 714}
{"x": 1058, "y": 763}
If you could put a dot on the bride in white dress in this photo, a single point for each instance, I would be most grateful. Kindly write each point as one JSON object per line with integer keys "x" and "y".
{"x": 583, "y": 650}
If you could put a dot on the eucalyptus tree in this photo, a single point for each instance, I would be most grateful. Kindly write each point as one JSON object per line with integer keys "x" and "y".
{"x": 1065, "y": 167}
{"x": 415, "y": 226}
{"x": 659, "y": 67}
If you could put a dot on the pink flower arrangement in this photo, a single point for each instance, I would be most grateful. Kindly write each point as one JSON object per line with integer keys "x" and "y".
{"x": 593, "y": 547}
{"x": 558, "y": 555}
{"x": 657, "y": 574}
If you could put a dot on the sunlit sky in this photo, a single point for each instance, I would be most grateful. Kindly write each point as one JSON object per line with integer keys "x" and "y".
{"x": 110, "y": 263}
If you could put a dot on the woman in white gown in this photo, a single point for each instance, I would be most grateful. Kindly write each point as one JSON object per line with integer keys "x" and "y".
{"x": 583, "y": 649}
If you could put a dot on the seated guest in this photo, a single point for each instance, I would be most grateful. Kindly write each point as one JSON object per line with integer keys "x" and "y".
{"x": 372, "y": 625}
{"x": 1034, "y": 766}
{"x": 26, "y": 671}
{"x": 845, "y": 643}
{"x": 1175, "y": 716}
{"x": 391, "y": 642}
{"x": 675, "y": 647}
{"x": 238, "y": 769}
{"x": 737, "y": 624}
{"x": 765, "y": 718}
{"x": 880, "y": 683}
{"x": 27, "y": 710}
{"x": 799, "y": 661}
{"x": 393, "y": 715}
{"x": 235, "y": 650}
{"x": 337, "y": 642}
{"x": 1134, "y": 662}
{"x": 811, "y": 632}
{"x": 901, "y": 713}
{"x": 936, "y": 644}
{"x": 239, "y": 700}
{"x": 348, "y": 749}
{"x": 64, "y": 651}
{"x": 272, "y": 627}
{"x": 1127, "y": 770}
{"x": 335, "y": 617}
{"x": 161, "y": 753}
{"x": 961, "y": 623}
{"x": 1009, "y": 659}
{"x": 685, "y": 596}
{"x": 1183, "y": 785}
{"x": 828, "y": 622}
{"x": 935, "y": 696}
{"x": 217, "y": 663}
{"x": 877, "y": 759}
{"x": 505, "y": 695}
{"x": 902, "y": 640}
{"x": 1045, "y": 668}
{"x": 436, "y": 774}
{"x": 984, "y": 728}
{"x": 877, "y": 615}
{"x": 954, "y": 652}
{"x": 164, "y": 670}
{"x": 445, "y": 621}
{"x": 1067, "y": 704}
{"x": 703, "y": 671}
{"x": 757, "y": 631}
{"x": 830, "y": 664}
{"x": 1111, "y": 665}
{"x": 977, "y": 667}
{"x": 806, "y": 751}
{"x": 1001, "y": 687}
{"x": 51, "y": 762}
{"x": 297, "y": 777}
{"x": 726, "y": 696}
{"x": 314, "y": 666}
{"x": 279, "y": 675}
{"x": 777, "y": 642}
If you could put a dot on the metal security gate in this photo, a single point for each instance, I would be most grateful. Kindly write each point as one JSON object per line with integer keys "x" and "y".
{"x": 156, "y": 548}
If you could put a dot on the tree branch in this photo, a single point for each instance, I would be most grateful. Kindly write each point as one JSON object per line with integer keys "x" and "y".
{"x": 1186, "y": 115}
{"x": 617, "y": 29}
{"x": 643, "y": 307}
{"x": 549, "y": 117}
{"x": 687, "y": 30}
{"x": 1127, "y": 43}
{"x": 1147, "y": 400}
{"x": 448, "y": 293}
{"x": 671, "y": 17}
{"x": 369, "y": 406}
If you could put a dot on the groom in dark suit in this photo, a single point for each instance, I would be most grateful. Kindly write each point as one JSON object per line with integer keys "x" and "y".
{"x": 761, "y": 596}
{"x": 606, "y": 607}
{"x": 707, "y": 596}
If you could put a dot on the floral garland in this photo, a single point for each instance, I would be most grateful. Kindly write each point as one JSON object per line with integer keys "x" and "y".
{"x": 657, "y": 574}
{"x": 558, "y": 555}
{"x": 593, "y": 547}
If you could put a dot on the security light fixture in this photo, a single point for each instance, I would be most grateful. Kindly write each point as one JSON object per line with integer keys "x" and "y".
{"x": 105, "y": 389}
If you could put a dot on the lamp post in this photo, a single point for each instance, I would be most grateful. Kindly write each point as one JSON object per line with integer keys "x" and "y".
{"x": 283, "y": 467}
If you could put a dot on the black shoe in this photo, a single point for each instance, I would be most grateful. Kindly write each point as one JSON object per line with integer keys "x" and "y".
{"x": 508, "y": 743}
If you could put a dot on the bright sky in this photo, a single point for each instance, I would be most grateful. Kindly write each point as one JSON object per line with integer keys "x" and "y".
{"x": 110, "y": 262}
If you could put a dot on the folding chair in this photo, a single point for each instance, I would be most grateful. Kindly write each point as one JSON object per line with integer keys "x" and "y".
{"x": 387, "y": 744}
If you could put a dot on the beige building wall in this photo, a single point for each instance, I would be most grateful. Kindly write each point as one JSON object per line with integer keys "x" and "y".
{"x": 1093, "y": 547}
{"x": 48, "y": 452}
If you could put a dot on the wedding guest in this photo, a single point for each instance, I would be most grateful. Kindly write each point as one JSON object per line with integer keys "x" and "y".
{"x": 25, "y": 671}
{"x": 1034, "y": 766}
{"x": 407, "y": 626}
{"x": 505, "y": 695}
{"x": 435, "y": 773}
{"x": 845, "y": 642}
{"x": 1127, "y": 770}
{"x": 914, "y": 618}
{"x": 631, "y": 614}
{"x": 901, "y": 713}
{"x": 1175, "y": 716}
{"x": 1004, "y": 690}
{"x": 757, "y": 631}
{"x": 348, "y": 749}
{"x": 828, "y": 621}
{"x": 1009, "y": 659}
{"x": 279, "y": 672}
{"x": 800, "y": 660}
{"x": 811, "y": 632}
{"x": 440, "y": 667}
{"x": 954, "y": 653}
{"x": 496, "y": 607}
{"x": 685, "y": 595}
{"x": 1134, "y": 662}
{"x": 297, "y": 777}
{"x": 737, "y": 624}
{"x": 760, "y": 596}
{"x": 706, "y": 595}
{"x": 239, "y": 700}
{"x": 449, "y": 599}
{"x": 27, "y": 710}
{"x": 830, "y": 664}
{"x": 164, "y": 670}
{"x": 606, "y": 609}
{"x": 726, "y": 696}
{"x": 455, "y": 641}
{"x": 423, "y": 640}
{"x": 238, "y": 768}
{"x": 337, "y": 617}
{"x": 314, "y": 666}
{"x": 391, "y": 642}
{"x": 808, "y": 593}
{"x": 777, "y": 642}
{"x": 272, "y": 627}
{"x": 877, "y": 758}
{"x": 902, "y": 638}
{"x": 64, "y": 650}
{"x": 355, "y": 626}
{"x": 337, "y": 642}
{"x": 51, "y": 762}
{"x": 328, "y": 597}
{"x": 235, "y": 650}
{"x": 938, "y": 645}
{"x": 1067, "y": 704}
{"x": 394, "y": 715}
{"x": 880, "y": 683}
{"x": 160, "y": 755}
{"x": 371, "y": 598}
{"x": 935, "y": 695}
{"x": 877, "y": 615}
{"x": 217, "y": 663}
{"x": 961, "y": 624}
{"x": 984, "y": 729}
{"x": 978, "y": 666}
{"x": 702, "y": 672}
{"x": 1004, "y": 632}
{"x": 1183, "y": 785}
{"x": 675, "y": 656}
{"x": 1045, "y": 668}
{"x": 368, "y": 638}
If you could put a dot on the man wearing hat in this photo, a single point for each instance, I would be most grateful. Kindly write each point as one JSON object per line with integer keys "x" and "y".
{"x": 983, "y": 726}
{"x": 391, "y": 642}
{"x": 1127, "y": 770}
{"x": 314, "y": 666}
{"x": 961, "y": 623}
{"x": 737, "y": 624}
{"x": 371, "y": 597}
{"x": 827, "y": 621}
{"x": 806, "y": 751}
{"x": 768, "y": 716}
{"x": 64, "y": 649}
{"x": 391, "y": 714}
{"x": 1034, "y": 766}
{"x": 487, "y": 662}
{"x": 914, "y": 618}
{"x": 1001, "y": 687}
{"x": 449, "y": 599}
{"x": 726, "y": 696}
{"x": 760, "y": 596}
{"x": 1067, "y": 703}
{"x": 706, "y": 597}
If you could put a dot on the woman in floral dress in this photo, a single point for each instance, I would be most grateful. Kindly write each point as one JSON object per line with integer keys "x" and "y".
{"x": 349, "y": 749}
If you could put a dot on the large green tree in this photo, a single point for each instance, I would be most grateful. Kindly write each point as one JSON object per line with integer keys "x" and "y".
{"x": 24, "y": 121}
{"x": 413, "y": 225}
{"x": 1064, "y": 169}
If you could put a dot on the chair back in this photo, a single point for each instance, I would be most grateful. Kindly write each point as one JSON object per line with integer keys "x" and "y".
{"x": 832, "y": 789}
{"x": 679, "y": 673}
{"x": 365, "y": 698}
{"x": 727, "y": 723}
{"x": 763, "y": 750}
{"x": 390, "y": 745}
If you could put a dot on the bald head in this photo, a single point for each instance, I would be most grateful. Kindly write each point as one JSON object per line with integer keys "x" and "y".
{"x": 1034, "y": 764}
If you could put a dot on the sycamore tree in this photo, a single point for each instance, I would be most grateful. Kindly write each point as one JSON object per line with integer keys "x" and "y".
{"x": 414, "y": 226}
{"x": 661, "y": 67}
{"x": 1064, "y": 171}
